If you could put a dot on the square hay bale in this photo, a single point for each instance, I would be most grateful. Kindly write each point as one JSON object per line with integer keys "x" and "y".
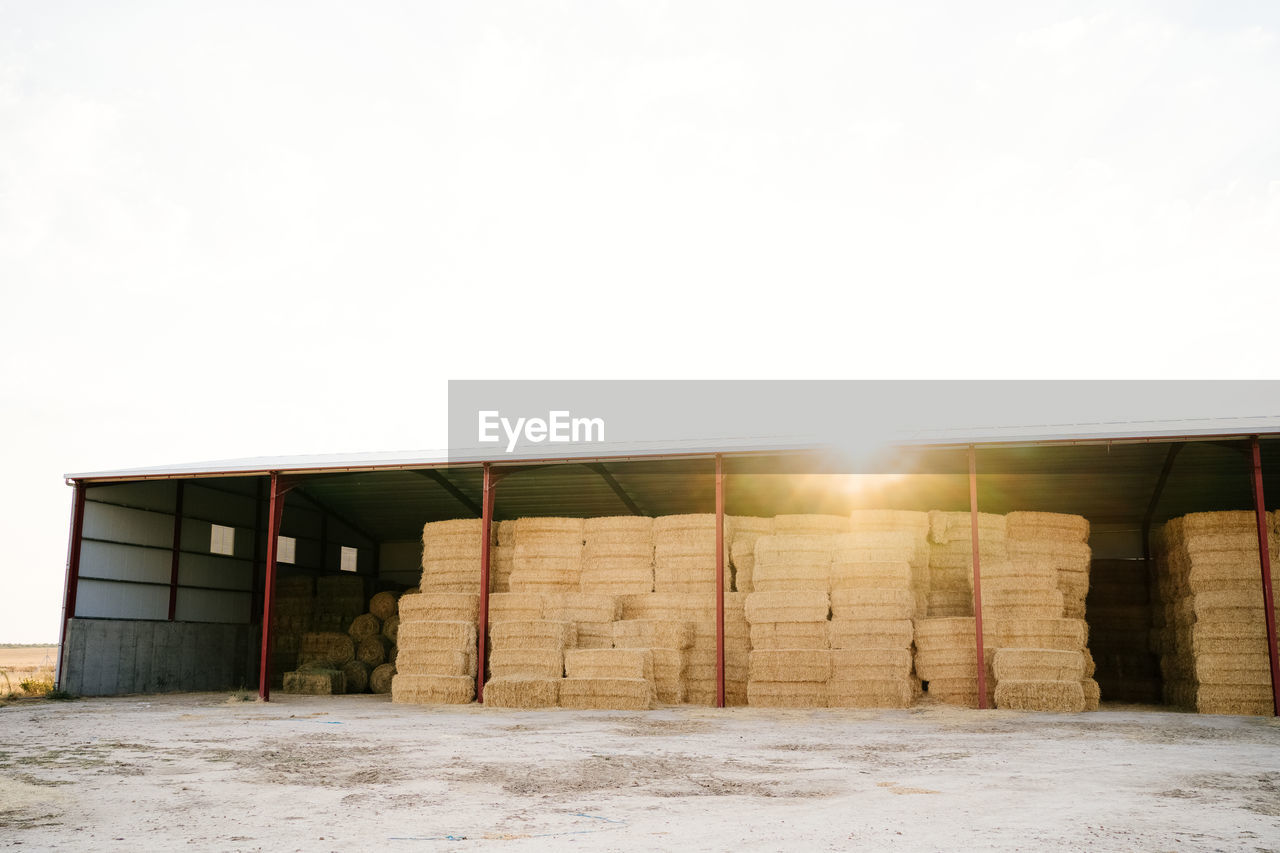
{"x": 944, "y": 633}
{"x": 949, "y": 603}
{"x": 998, "y": 612}
{"x": 1092, "y": 694}
{"x": 810, "y": 525}
{"x": 1038, "y": 665}
{"x": 432, "y": 689}
{"x": 539, "y": 662}
{"x": 1018, "y": 573}
{"x": 581, "y": 607}
{"x": 962, "y": 692}
{"x": 515, "y": 607}
{"x": 652, "y": 634}
{"x": 789, "y": 694}
{"x": 668, "y": 524}
{"x": 790, "y": 665}
{"x": 870, "y": 634}
{"x": 1233, "y": 668}
{"x": 790, "y": 635}
{"x": 458, "y": 636}
{"x": 618, "y": 528}
{"x": 899, "y": 692}
{"x": 859, "y": 603}
{"x": 858, "y": 664}
{"x": 1047, "y": 525}
{"x": 621, "y": 694}
{"x": 522, "y": 691}
{"x": 669, "y": 669}
{"x": 330, "y": 647}
{"x": 791, "y": 562}
{"x": 609, "y": 663}
{"x": 1065, "y": 696}
{"x": 885, "y": 574}
{"x": 533, "y": 527}
{"x": 788, "y": 606}
{"x": 440, "y": 607}
{"x": 533, "y": 634}
{"x": 315, "y": 682}
{"x": 436, "y": 662}
{"x": 1065, "y": 634}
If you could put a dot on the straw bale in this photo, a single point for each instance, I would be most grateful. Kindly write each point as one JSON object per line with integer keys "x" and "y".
{"x": 609, "y": 663}
{"x": 1092, "y": 694}
{"x": 594, "y": 635}
{"x": 380, "y": 678}
{"x": 791, "y": 559}
{"x": 790, "y": 635}
{"x": 391, "y": 628}
{"x": 959, "y": 690}
{"x": 749, "y": 525}
{"x": 885, "y": 574}
{"x": 531, "y": 527}
{"x": 328, "y": 647}
{"x": 957, "y": 662}
{"x": 628, "y": 526}
{"x": 890, "y": 519}
{"x": 812, "y": 525}
{"x": 504, "y": 532}
{"x": 522, "y": 691}
{"x": 581, "y": 607}
{"x": 794, "y": 606}
{"x": 943, "y": 632}
{"x": 364, "y": 626}
{"x": 533, "y": 634}
{"x": 622, "y": 694}
{"x": 1047, "y": 525}
{"x": 452, "y": 527}
{"x": 872, "y": 603}
{"x": 869, "y": 634}
{"x": 1067, "y": 552}
{"x": 435, "y": 662}
{"x": 432, "y": 689}
{"x": 788, "y": 694}
{"x": 437, "y": 635}
{"x": 340, "y": 586}
{"x": 858, "y": 664}
{"x": 947, "y": 527}
{"x": 669, "y": 666}
{"x": 1066, "y": 696}
{"x": 373, "y": 650}
{"x": 656, "y": 605}
{"x": 384, "y": 604}
{"x": 892, "y": 692}
{"x": 541, "y": 662}
{"x": 617, "y": 582}
{"x": 515, "y": 607}
{"x": 1235, "y": 633}
{"x": 549, "y": 586}
{"x": 1068, "y": 634}
{"x": 652, "y": 634}
{"x": 1249, "y": 599}
{"x": 1038, "y": 665}
{"x": 315, "y": 682}
{"x": 790, "y": 665}
{"x": 950, "y": 603}
{"x": 997, "y": 612}
{"x": 1029, "y": 571}
{"x": 356, "y": 676}
{"x": 294, "y": 586}
{"x": 667, "y": 524}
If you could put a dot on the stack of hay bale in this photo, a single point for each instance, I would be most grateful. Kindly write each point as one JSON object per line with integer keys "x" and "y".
{"x": 741, "y": 534}
{"x": 547, "y": 556}
{"x": 790, "y": 660}
{"x": 322, "y": 657}
{"x": 374, "y": 634}
{"x": 502, "y": 556}
{"x": 339, "y": 599}
{"x": 617, "y": 557}
{"x": 872, "y": 603}
{"x": 668, "y": 642}
{"x": 618, "y": 679}
{"x": 1214, "y": 646}
{"x": 684, "y": 554}
{"x": 697, "y": 664}
{"x": 1063, "y": 541}
{"x": 451, "y": 556}
{"x": 947, "y": 660}
{"x": 436, "y": 659}
{"x": 951, "y": 558}
{"x": 902, "y": 527}
{"x": 1041, "y": 665}
{"x": 292, "y": 608}
{"x": 526, "y": 664}
{"x": 1119, "y": 631}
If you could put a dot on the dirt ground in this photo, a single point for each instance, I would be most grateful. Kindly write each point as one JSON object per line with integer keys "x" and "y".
{"x": 198, "y": 771}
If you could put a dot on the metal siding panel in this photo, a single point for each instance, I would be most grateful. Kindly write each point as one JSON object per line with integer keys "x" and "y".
{"x": 122, "y": 562}
{"x": 130, "y": 526}
{"x": 203, "y": 605}
{"x": 215, "y": 571}
{"x": 231, "y": 510}
{"x": 109, "y": 600}
{"x": 158, "y": 496}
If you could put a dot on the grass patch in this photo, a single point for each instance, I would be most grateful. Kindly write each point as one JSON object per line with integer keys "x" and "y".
{"x": 36, "y": 686}
{"x": 60, "y": 696}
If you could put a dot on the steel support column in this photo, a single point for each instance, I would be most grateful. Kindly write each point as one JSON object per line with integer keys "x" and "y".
{"x": 977, "y": 577}
{"x": 177, "y": 551}
{"x": 275, "y": 511}
{"x": 486, "y": 538}
{"x": 1264, "y": 555}
{"x": 719, "y": 581}
{"x": 73, "y": 573}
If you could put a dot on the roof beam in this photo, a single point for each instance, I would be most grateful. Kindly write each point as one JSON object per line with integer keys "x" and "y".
{"x": 446, "y": 484}
{"x": 616, "y": 486}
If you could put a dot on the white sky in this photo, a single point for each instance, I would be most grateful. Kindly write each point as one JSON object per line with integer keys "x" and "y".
{"x": 242, "y": 229}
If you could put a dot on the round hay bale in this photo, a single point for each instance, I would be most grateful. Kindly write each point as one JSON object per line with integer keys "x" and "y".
{"x": 364, "y": 626}
{"x": 391, "y": 628}
{"x": 373, "y": 650}
{"x": 357, "y": 675}
{"x": 380, "y": 678}
{"x": 384, "y": 605}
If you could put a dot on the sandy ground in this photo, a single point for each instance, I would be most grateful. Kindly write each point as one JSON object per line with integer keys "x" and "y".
{"x": 356, "y": 772}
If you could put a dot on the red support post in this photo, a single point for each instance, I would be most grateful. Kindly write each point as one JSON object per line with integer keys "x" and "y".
{"x": 719, "y": 581}
{"x": 1264, "y": 555}
{"x": 977, "y": 577}
{"x": 73, "y": 573}
{"x": 275, "y": 510}
{"x": 177, "y": 550}
{"x": 486, "y": 526}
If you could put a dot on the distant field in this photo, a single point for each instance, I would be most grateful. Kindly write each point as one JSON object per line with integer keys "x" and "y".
{"x": 34, "y": 657}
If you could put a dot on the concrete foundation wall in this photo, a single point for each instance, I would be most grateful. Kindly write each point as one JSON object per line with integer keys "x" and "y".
{"x": 111, "y": 657}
